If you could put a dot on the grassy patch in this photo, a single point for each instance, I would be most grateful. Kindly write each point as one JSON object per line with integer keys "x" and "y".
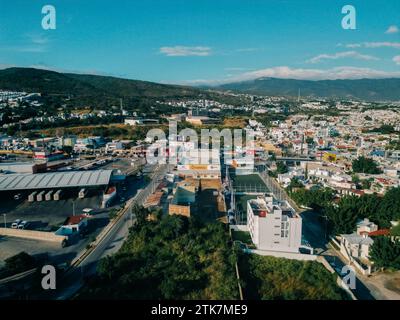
{"x": 270, "y": 278}
{"x": 242, "y": 236}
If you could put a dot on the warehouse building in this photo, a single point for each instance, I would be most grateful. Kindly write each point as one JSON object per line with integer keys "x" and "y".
{"x": 55, "y": 180}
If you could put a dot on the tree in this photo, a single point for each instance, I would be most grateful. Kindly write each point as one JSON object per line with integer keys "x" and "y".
{"x": 140, "y": 214}
{"x": 309, "y": 140}
{"x": 315, "y": 198}
{"x": 295, "y": 183}
{"x": 343, "y": 218}
{"x": 355, "y": 179}
{"x": 365, "y": 184}
{"x": 18, "y": 263}
{"x": 281, "y": 168}
{"x": 385, "y": 253}
{"x": 365, "y": 165}
{"x": 270, "y": 278}
{"x": 170, "y": 258}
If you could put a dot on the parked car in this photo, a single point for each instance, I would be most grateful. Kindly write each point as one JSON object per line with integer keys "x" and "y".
{"x": 16, "y": 223}
{"x": 87, "y": 211}
{"x": 17, "y": 196}
{"x": 23, "y": 225}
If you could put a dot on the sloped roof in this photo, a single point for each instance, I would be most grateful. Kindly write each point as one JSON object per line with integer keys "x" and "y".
{"x": 54, "y": 180}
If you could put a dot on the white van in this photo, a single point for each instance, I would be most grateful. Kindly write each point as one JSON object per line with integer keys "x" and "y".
{"x": 23, "y": 225}
{"x": 16, "y": 223}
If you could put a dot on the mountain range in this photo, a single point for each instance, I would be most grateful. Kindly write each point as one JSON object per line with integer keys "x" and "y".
{"x": 363, "y": 89}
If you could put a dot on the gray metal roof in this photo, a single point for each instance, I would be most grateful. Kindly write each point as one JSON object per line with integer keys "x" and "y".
{"x": 54, "y": 180}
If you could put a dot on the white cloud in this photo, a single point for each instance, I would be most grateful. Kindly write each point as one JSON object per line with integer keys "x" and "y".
{"x": 285, "y": 72}
{"x": 396, "y": 60}
{"x": 340, "y": 55}
{"x": 353, "y": 45}
{"x": 5, "y": 66}
{"x": 392, "y": 29}
{"x": 395, "y": 45}
{"x": 38, "y": 39}
{"x": 182, "y": 51}
{"x": 319, "y": 74}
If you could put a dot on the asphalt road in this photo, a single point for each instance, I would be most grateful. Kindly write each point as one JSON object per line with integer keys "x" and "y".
{"x": 314, "y": 233}
{"x": 110, "y": 244}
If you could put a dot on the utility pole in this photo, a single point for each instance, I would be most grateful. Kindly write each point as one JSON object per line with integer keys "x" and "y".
{"x": 5, "y": 220}
{"x": 73, "y": 207}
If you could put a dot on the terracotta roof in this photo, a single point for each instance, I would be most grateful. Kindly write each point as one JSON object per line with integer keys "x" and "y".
{"x": 74, "y": 220}
{"x": 381, "y": 232}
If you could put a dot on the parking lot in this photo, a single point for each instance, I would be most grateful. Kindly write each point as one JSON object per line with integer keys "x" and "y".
{"x": 47, "y": 215}
{"x": 11, "y": 246}
{"x": 50, "y": 215}
{"x": 54, "y": 252}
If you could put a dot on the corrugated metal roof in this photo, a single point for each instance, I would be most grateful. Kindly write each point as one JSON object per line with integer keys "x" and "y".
{"x": 54, "y": 180}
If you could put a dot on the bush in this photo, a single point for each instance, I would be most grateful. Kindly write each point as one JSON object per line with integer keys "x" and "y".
{"x": 16, "y": 264}
{"x": 171, "y": 258}
{"x": 270, "y": 278}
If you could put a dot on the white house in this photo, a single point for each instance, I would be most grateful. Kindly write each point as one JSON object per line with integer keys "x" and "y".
{"x": 356, "y": 246}
{"x": 75, "y": 224}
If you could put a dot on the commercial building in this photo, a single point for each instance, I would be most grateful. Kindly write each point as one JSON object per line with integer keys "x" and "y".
{"x": 273, "y": 226}
{"x": 184, "y": 197}
{"x": 22, "y": 167}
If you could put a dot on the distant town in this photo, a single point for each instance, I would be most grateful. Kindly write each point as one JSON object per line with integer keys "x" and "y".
{"x": 322, "y": 191}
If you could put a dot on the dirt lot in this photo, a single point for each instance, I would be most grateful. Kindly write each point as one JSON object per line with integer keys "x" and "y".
{"x": 384, "y": 285}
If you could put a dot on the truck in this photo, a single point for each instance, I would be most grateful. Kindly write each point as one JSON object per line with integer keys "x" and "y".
{"x": 40, "y": 196}
{"x": 82, "y": 193}
{"x": 32, "y": 196}
{"x": 57, "y": 195}
{"x": 48, "y": 196}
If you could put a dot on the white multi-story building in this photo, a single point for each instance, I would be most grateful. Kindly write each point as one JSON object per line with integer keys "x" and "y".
{"x": 273, "y": 226}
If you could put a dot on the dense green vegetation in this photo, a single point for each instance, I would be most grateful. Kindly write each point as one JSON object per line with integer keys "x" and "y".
{"x": 314, "y": 198}
{"x": 365, "y": 165}
{"x": 70, "y": 90}
{"x": 385, "y": 252}
{"x": 270, "y": 278}
{"x": 170, "y": 258}
{"x": 281, "y": 168}
{"x": 393, "y": 145}
{"x": 294, "y": 184}
{"x": 384, "y": 129}
{"x": 343, "y": 215}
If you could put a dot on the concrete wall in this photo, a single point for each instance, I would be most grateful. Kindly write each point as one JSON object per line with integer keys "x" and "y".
{"x": 179, "y": 210}
{"x": 287, "y": 255}
{"x": 30, "y": 234}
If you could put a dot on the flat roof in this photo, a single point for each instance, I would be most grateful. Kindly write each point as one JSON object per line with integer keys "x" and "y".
{"x": 50, "y": 180}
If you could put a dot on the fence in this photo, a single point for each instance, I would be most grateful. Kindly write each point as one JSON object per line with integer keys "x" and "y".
{"x": 277, "y": 190}
{"x": 31, "y": 234}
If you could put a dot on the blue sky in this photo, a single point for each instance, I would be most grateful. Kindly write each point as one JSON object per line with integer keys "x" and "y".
{"x": 197, "y": 41}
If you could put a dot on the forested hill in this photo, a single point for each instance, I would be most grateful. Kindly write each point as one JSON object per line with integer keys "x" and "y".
{"x": 50, "y": 82}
